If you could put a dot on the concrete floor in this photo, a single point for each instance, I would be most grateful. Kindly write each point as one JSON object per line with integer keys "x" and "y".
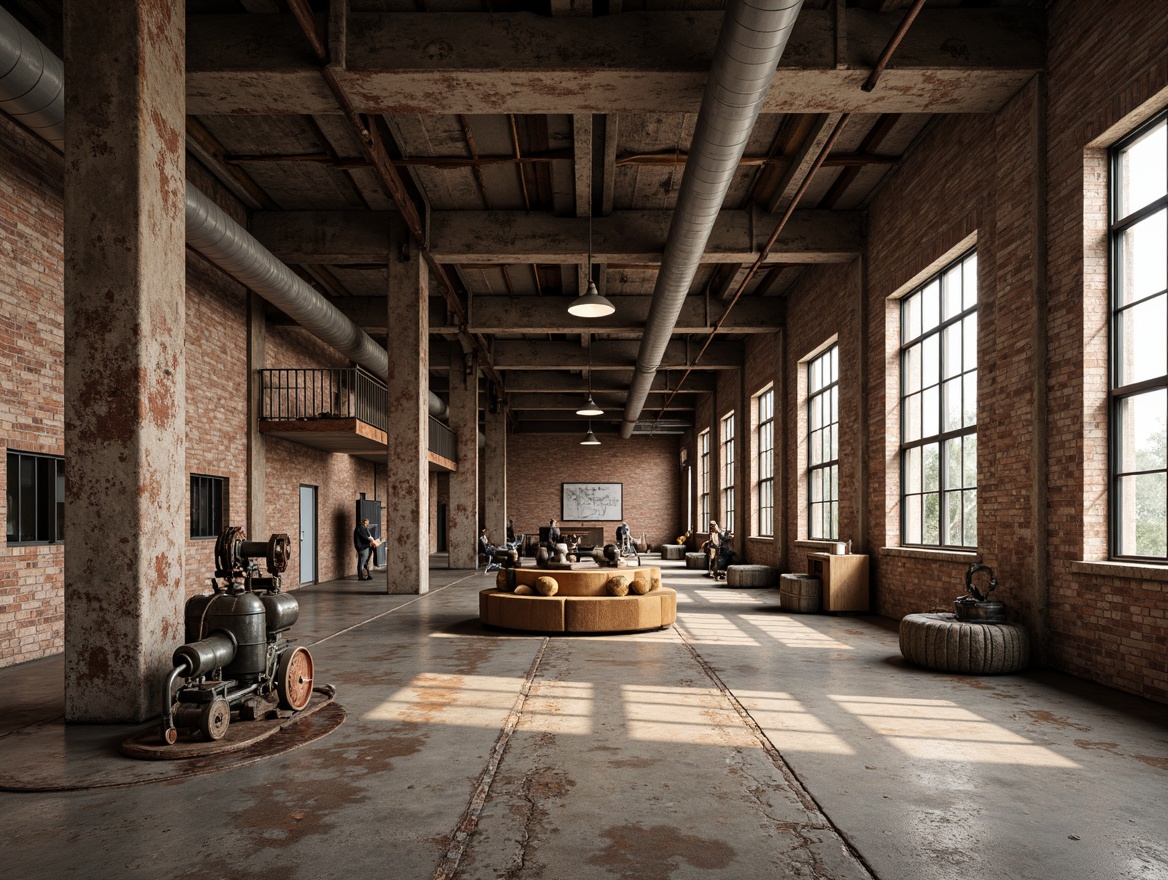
{"x": 741, "y": 743}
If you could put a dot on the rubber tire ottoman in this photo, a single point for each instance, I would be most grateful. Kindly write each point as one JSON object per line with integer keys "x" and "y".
{"x": 673, "y": 551}
{"x": 695, "y": 560}
{"x": 942, "y": 642}
{"x": 750, "y": 576}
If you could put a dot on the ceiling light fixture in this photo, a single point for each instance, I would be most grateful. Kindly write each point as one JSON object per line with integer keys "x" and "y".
{"x": 590, "y": 438}
{"x": 591, "y": 304}
{"x": 590, "y": 408}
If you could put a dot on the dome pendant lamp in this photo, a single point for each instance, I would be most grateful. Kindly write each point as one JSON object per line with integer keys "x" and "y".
{"x": 590, "y": 408}
{"x": 591, "y": 304}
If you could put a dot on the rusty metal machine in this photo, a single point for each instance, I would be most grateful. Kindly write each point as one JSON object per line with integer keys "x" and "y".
{"x": 237, "y": 657}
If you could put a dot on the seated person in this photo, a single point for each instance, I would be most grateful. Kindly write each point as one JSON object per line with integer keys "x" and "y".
{"x": 486, "y": 548}
{"x": 622, "y": 537}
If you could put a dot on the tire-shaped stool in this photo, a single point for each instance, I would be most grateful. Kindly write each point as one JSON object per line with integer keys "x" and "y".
{"x": 942, "y": 642}
{"x": 750, "y": 576}
{"x": 695, "y": 560}
{"x": 800, "y": 593}
{"x": 673, "y": 551}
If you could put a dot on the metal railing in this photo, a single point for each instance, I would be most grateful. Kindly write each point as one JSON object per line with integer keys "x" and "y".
{"x": 337, "y": 393}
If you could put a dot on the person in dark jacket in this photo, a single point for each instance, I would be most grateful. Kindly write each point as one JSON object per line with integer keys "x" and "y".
{"x": 363, "y": 542}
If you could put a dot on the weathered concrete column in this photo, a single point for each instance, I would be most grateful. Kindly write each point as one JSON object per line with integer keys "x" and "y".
{"x": 495, "y": 473}
{"x": 407, "y": 464}
{"x": 125, "y": 414}
{"x": 462, "y": 510}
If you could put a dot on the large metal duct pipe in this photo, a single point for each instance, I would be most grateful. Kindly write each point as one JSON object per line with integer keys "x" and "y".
{"x": 752, "y": 39}
{"x": 32, "y": 92}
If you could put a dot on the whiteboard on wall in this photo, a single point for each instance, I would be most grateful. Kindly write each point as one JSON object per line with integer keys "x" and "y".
{"x": 592, "y": 502}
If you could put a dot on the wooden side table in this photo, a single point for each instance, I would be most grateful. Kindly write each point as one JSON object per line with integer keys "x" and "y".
{"x": 844, "y": 579}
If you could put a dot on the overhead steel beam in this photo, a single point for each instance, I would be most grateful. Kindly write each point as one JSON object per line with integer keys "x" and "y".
{"x": 631, "y": 238}
{"x": 952, "y": 61}
{"x": 612, "y": 402}
{"x": 510, "y": 354}
{"x": 556, "y": 382}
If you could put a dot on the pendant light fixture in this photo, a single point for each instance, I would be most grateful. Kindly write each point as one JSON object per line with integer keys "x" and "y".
{"x": 590, "y": 438}
{"x": 590, "y": 408}
{"x": 591, "y": 304}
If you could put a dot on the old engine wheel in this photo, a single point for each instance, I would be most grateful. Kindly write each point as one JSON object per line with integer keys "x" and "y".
{"x": 214, "y": 719}
{"x": 294, "y": 679}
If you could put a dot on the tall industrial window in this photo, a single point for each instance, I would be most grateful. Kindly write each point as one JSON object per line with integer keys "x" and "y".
{"x": 704, "y": 477}
{"x": 823, "y": 445}
{"x": 208, "y": 501}
{"x": 1139, "y": 330}
{"x": 938, "y": 409}
{"x": 728, "y": 471}
{"x": 766, "y": 463}
{"x": 36, "y": 498}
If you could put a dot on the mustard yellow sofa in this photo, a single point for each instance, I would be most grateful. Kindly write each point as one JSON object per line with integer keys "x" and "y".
{"x": 581, "y": 603}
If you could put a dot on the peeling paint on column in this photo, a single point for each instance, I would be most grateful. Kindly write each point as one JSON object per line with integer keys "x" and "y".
{"x": 125, "y": 412}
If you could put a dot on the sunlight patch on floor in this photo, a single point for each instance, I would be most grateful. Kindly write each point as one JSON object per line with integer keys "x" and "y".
{"x": 793, "y": 633}
{"x": 790, "y": 725}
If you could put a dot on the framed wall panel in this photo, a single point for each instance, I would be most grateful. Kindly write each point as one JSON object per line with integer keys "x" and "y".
{"x": 592, "y": 502}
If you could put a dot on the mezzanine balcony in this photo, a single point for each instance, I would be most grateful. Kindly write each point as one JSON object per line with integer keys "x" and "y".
{"x": 339, "y": 410}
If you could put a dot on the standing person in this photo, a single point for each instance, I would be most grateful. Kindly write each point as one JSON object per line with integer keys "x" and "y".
{"x": 553, "y": 533}
{"x": 510, "y": 529}
{"x": 363, "y": 542}
{"x": 622, "y": 537}
{"x": 711, "y": 548}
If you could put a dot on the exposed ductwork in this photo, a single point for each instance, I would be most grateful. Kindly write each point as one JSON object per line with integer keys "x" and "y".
{"x": 32, "y": 92}
{"x": 752, "y": 39}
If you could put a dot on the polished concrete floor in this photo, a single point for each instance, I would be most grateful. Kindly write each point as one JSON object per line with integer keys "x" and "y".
{"x": 741, "y": 743}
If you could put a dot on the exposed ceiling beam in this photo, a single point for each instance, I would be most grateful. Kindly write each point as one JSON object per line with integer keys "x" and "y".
{"x": 558, "y": 382}
{"x": 961, "y": 60}
{"x": 627, "y": 238}
{"x": 513, "y": 354}
{"x": 609, "y": 401}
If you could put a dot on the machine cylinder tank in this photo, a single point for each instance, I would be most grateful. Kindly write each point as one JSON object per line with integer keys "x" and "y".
{"x": 282, "y": 610}
{"x": 242, "y": 615}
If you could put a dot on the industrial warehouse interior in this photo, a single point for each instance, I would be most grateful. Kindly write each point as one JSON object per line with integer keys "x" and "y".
{"x": 759, "y": 408}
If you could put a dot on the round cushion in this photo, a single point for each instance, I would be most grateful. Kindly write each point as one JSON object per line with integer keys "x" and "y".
{"x": 502, "y": 582}
{"x": 618, "y": 585}
{"x": 582, "y": 580}
{"x": 800, "y": 593}
{"x": 750, "y": 576}
{"x": 673, "y": 551}
{"x": 524, "y": 590}
{"x": 695, "y": 560}
{"x": 941, "y": 641}
{"x": 642, "y": 583}
{"x": 546, "y": 586}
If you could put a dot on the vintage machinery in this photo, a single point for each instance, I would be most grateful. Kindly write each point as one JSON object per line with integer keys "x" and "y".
{"x": 975, "y": 606}
{"x": 236, "y": 656}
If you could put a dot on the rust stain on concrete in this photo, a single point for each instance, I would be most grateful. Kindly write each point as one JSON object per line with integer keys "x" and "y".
{"x": 1044, "y": 717}
{"x": 1099, "y": 746}
{"x": 655, "y": 853}
{"x": 1152, "y": 761}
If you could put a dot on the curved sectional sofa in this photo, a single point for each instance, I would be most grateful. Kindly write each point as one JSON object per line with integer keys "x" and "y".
{"x": 582, "y": 602}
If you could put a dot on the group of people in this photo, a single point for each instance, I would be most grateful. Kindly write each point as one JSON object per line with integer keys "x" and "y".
{"x": 719, "y": 550}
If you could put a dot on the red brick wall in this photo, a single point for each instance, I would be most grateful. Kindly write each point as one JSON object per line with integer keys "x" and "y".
{"x": 31, "y": 376}
{"x": 339, "y": 478}
{"x": 824, "y": 308}
{"x": 647, "y": 466}
{"x": 1108, "y": 72}
{"x": 216, "y": 432}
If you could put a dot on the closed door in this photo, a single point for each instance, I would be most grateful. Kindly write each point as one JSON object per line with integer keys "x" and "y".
{"x": 308, "y": 534}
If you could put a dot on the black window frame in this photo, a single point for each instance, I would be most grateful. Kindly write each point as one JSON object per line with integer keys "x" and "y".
{"x": 1119, "y": 394}
{"x": 727, "y": 427}
{"x": 704, "y": 479}
{"x": 828, "y": 503}
{"x": 946, "y": 488}
{"x": 765, "y": 454}
{"x": 39, "y": 519}
{"x": 208, "y": 502}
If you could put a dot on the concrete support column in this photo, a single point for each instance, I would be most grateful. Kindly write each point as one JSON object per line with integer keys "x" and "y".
{"x": 125, "y": 413}
{"x": 495, "y": 473}
{"x": 462, "y": 510}
{"x": 407, "y": 464}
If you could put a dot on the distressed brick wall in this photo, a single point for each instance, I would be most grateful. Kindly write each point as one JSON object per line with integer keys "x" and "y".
{"x": 825, "y": 307}
{"x": 31, "y": 376}
{"x": 647, "y": 466}
{"x": 216, "y": 401}
{"x": 339, "y": 478}
{"x": 1108, "y": 72}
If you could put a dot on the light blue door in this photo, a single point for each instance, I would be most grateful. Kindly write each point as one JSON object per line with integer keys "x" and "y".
{"x": 308, "y": 534}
